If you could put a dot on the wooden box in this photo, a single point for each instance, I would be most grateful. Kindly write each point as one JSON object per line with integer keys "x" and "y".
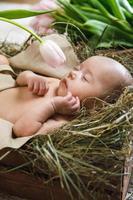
{"x": 24, "y": 184}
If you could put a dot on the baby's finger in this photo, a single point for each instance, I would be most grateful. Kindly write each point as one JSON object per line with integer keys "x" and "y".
{"x": 30, "y": 85}
{"x": 36, "y": 88}
{"x": 46, "y": 86}
{"x": 42, "y": 89}
{"x": 72, "y": 101}
{"x": 76, "y": 106}
{"x": 68, "y": 96}
{"x": 77, "y": 100}
{"x": 75, "y": 109}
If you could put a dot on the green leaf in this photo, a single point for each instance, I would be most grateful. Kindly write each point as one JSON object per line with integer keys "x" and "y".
{"x": 22, "y": 27}
{"x": 114, "y": 36}
{"x": 116, "y": 9}
{"x": 94, "y": 26}
{"x": 72, "y": 11}
{"x": 95, "y": 17}
{"x": 99, "y": 6}
{"x": 22, "y": 13}
{"x": 127, "y": 5}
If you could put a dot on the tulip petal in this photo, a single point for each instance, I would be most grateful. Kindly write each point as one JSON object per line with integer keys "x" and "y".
{"x": 52, "y": 53}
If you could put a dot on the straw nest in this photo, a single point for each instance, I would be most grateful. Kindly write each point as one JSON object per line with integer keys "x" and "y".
{"x": 93, "y": 148}
{"x": 87, "y": 155}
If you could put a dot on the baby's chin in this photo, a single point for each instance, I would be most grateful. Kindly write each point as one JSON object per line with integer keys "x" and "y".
{"x": 62, "y": 89}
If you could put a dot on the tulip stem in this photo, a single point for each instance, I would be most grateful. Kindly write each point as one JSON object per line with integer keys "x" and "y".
{"x": 22, "y": 27}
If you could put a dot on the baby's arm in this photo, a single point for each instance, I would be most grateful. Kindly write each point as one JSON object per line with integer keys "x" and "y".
{"x": 33, "y": 120}
{"x": 36, "y": 84}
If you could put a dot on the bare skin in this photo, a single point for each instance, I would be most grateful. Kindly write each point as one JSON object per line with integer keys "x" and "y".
{"x": 31, "y": 107}
{"x": 41, "y": 102}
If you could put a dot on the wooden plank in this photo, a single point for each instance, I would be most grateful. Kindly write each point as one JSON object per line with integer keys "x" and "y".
{"x": 26, "y": 186}
{"x": 10, "y": 157}
{"x": 22, "y": 181}
{"x": 126, "y": 179}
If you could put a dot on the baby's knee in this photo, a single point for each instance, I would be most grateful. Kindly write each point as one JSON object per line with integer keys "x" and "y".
{"x": 26, "y": 129}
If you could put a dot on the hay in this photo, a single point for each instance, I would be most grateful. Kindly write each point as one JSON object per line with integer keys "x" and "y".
{"x": 88, "y": 152}
{"x": 87, "y": 155}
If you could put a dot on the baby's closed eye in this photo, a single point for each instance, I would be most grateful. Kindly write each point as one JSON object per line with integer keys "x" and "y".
{"x": 84, "y": 78}
{"x": 88, "y": 77}
{"x": 77, "y": 68}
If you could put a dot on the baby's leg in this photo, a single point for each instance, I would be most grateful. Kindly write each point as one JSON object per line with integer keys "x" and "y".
{"x": 26, "y": 127}
{"x": 31, "y": 121}
{"x": 52, "y": 124}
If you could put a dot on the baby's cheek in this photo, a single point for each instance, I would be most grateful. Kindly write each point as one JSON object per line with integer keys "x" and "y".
{"x": 75, "y": 91}
{"x": 82, "y": 93}
{"x": 76, "y": 88}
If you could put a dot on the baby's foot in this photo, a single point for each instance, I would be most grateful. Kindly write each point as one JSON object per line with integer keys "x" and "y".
{"x": 3, "y": 60}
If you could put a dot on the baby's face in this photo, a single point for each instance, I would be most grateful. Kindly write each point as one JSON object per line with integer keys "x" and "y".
{"x": 92, "y": 78}
{"x": 84, "y": 81}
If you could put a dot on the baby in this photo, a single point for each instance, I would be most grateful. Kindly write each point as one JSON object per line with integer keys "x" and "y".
{"x": 38, "y": 99}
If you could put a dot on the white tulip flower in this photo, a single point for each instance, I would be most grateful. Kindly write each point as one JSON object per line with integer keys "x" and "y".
{"x": 52, "y": 53}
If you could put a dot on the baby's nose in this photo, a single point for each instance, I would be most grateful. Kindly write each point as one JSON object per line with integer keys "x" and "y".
{"x": 72, "y": 75}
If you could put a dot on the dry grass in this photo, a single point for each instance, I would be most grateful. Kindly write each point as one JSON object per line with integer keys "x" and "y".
{"x": 92, "y": 148}
{"x": 87, "y": 155}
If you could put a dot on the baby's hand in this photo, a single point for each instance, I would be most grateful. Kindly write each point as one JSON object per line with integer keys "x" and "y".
{"x": 68, "y": 104}
{"x": 37, "y": 84}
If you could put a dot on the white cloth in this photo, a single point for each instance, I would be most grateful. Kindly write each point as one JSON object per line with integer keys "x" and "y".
{"x": 6, "y": 139}
{"x": 31, "y": 58}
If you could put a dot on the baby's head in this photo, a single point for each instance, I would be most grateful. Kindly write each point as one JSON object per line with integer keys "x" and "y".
{"x": 97, "y": 76}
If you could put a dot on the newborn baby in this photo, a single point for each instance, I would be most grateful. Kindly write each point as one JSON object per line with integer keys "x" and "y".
{"x": 38, "y": 98}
